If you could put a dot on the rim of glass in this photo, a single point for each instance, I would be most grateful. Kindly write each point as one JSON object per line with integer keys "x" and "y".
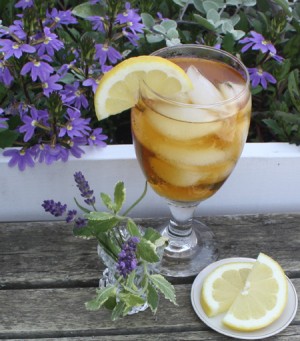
{"x": 203, "y": 106}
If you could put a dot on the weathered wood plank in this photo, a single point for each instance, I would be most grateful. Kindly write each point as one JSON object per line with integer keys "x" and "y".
{"x": 291, "y": 333}
{"x": 60, "y": 312}
{"x": 45, "y": 254}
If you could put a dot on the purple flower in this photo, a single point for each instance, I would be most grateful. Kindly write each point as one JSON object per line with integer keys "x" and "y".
{"x": 84, "y": 188}
{"x": 49, "y": 85}
{"x": 11, "y": 48}
{"x": 20, "y": 157}
{"x": 61, "y": 17}
{"x": 71, "y": 216}
{"x": 55, "y": 208}
{"x": 73, "y": 95}
{"x": 259, "y": 76}
{"x": 24, "y": 4}
{"x": 38, "y": 69}
{"x": 17, "y": 29}
{"x": 129, "y": 14}
{"x": 80, "y": 222}
{"x": 5, "y": 75}
{"x": 257, "y": 42}
{"x": 97, "y": 23}
{"x": 30, "y": 122}
{"x": 91, "y": 82}
{"x": 76, "y": 126}
{"x": 127, "y": 260}
{"x": 49, "y": 154}
{"x": 106, "y": 52}
{"x": 132, "y": 37}
{"x": 96, "y": 138}
{"x": 50, "y": 43}
{"x": 74, "y": 146}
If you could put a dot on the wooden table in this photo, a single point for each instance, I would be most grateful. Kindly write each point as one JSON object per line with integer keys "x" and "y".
{"x": 46, "y": 275}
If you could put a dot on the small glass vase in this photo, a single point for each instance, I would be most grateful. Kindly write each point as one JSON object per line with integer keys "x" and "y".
{"x": 110, "y": 275}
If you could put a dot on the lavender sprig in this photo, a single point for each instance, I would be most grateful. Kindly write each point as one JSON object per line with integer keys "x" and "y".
{"x": 85, "y": 190}
{"x": 127, "y": 259}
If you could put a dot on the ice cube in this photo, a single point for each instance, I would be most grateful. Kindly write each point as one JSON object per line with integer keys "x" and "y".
{"x": 230, "y": 90}
{"x": 204, "y": 92}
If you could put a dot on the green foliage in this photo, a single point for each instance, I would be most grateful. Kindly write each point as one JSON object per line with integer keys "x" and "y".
{"x": 108, "y": 228}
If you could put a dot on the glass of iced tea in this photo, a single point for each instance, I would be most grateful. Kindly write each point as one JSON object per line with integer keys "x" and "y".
{"x": 187, "y": 146}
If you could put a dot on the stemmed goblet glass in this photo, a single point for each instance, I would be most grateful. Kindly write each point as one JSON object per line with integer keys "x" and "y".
{"x": 187, "y": 146}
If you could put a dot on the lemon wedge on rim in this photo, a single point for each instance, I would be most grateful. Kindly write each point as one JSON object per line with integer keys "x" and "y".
{"x": 118, "y": 89}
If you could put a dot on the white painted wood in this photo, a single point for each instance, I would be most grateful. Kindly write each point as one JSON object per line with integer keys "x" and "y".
{"x": 265, "y": 180}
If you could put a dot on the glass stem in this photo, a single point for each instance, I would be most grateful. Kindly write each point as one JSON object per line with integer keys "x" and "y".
{"x": 182, "y": 218}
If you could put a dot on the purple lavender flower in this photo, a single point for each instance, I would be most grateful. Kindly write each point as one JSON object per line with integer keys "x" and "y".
{"x": 55, "y": 208}
{"x": 24, "y": 4}
{"x": 76, "y": 126}
{"x": 49, "y": 85}
{"x": 20, "y": 157}
{"x": 38, "y": 69}
{"x": 73, "y": 95}
{"x": 61, "y": 17}
{"x": 106, "y": 52}
{"x": 80, "y": 222}
{"x": 257, "y": 42}
{"x": 11, "y": 48}
{"x": 50, "y": 43}
{"x": 91, "y": 82}
{"x": 84, "y": 188}
{"x": 5, "y": 75}
{"x": 71, "y": 216}
{"x": 96, "y": 138}
{"x": 97, "y": 23}
{"x": 259, "y": 76}
{"x": 127, "y": 260}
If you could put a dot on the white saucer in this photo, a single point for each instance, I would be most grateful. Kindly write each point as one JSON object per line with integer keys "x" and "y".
{"x": 216, "y": 322}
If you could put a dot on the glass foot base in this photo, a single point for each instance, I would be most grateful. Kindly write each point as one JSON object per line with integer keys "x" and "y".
{"x": 186, "y": 256}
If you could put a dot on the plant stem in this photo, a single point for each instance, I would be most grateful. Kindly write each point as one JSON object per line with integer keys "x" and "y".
{"x": 137, "y": 201}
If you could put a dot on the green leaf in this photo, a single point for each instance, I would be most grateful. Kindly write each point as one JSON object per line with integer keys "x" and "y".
{"x": 130, "y": 299}
{"x": 102, "y": 296}
{"x": 159, "y": 29}
{"x": 118, "y": 311}
{"x": 151, "y": 234}
{"x": 152, "y": 298}
{"x": 107, "y": 201}
{"x": 249, "y": 3}
{"x": 86, "y": 10}
{"x": 154, "y": 38}
{"x": 85, "y": 232}
{"x": 293, "y": 87}
{"x": 119, "y": 196}
{"x": 208, "y": 5}
{"x": 285, "y": 6}
{"x": 7, "y": 138}
{"x": 164, "y": 286}
{"x": 213, "y": 16}
{"x": 203, "y": 22}
{"x": 133, "y": 229}
{"x": 147, "y": 251}
{"x": 102, "y": 226}
{"x": 168, "y": 24}
{"x": 147, "y": 20}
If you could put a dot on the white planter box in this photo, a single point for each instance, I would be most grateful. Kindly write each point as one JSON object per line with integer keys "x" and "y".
{"x": 265, "y": 180}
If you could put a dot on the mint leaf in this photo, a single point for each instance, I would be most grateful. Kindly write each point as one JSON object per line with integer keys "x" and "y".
{"x": 155, "y": 237}
{"x": 133, "y": 229}
{"x": 119, "y": 195}
{"x": 102, "y": 296}
{"x": 119, "y": 310}
{"x": 152, "y": 298}
{"x": 147, "y": 251}
{"x": 130, "y": 299}
{"x": 101, "y": 222}
{"x": 107, "y": 201}
{"x": 165, "y": 287}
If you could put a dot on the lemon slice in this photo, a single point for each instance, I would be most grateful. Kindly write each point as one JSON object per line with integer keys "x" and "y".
{"x": 262, "y": 299}
{"x": 221, "y": 287}
{"x": 118, "y": 89}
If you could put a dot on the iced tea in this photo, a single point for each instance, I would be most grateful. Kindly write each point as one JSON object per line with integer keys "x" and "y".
{"x": 187, "y": 151}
